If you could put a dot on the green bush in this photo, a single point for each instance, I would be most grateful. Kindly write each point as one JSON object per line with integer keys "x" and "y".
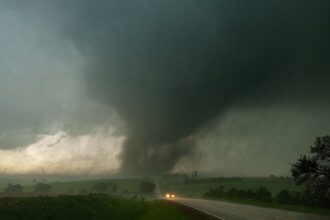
{"x": 262, "y": 194}
{"x": 283, "y": 197}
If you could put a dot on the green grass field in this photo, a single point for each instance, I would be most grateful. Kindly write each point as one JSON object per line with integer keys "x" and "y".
{"x": 131, "y": 185}
{"x": 199, "y": 189}
{"x": 128, "y": 187}
{"x": 180, "y": 188}
{"x": 81, "y": 207}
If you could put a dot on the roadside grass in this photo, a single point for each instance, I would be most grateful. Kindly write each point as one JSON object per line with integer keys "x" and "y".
{"x": 81, "y": 207}
{"x": 159, "y": 210}
{"x": 274, "y": 185}
{"x": 274, "y": 205}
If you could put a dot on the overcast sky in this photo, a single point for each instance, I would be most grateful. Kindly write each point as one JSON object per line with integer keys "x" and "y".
{"x": 148, "y": 87}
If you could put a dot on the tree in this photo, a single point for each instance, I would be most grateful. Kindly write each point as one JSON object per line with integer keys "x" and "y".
{"x": 314, "y": 171}
{"x": 42, "y": 187}
{"x": 232, "y": 192}
{"x": 263, "y": 194}
{"x": 147, "y": 187}
{"x": 215, "y": 193}
{"x": 14, "y": 188}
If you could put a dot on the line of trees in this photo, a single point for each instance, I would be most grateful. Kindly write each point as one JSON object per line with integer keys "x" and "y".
{"x": 211, "y": 180}
{"x": 258, "y": 194}
{"x": 39, "y": 187}
{"x": 14, "y": 188}
{"x": 304, "y": 197}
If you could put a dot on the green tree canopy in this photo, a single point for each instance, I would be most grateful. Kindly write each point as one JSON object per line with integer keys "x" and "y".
{"x": 314, "y": 171}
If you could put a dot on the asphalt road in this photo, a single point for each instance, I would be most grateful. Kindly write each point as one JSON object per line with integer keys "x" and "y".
{"x": 231, "y": 211}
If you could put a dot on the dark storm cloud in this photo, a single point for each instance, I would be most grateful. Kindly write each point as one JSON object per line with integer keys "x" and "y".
{"x": 41, "y": 86}
{"x": 169, "y": 67}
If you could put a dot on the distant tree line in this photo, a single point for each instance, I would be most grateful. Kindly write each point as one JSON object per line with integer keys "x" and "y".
{"x": 39, "y": 187}
{"x": 15, "y": 188}
{"x": 211, "y": 180}
{"x": 259, "y": 194}
{"x": 262, "y": 194}
{"x": 195, "y": 179}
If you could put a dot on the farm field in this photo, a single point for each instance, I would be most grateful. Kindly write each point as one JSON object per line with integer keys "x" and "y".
{"x": 124, "y": 185}
{"x": 188, "y": 189}
{"x": 198, "y": 189}
{"x": 129, "y": 185}
{"x": 92, "y": 206}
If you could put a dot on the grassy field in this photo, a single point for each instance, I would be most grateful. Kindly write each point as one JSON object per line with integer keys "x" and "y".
{"x": 155, "y": 208}
{"x": 91, "y": 207}
{"x": 131, "y": 186}
{"x": 159, "y": 210}
{"x": 199, "y": 189}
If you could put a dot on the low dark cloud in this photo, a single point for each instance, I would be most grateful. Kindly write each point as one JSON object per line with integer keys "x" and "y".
{"x": 171, "y": 67}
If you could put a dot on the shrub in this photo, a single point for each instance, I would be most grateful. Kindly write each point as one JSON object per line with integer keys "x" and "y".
{"x": 283, "y": 197}
{"x": 215, "y": 193}
{"x": 263, "y": 194}
{"x": 232, "y": 193}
